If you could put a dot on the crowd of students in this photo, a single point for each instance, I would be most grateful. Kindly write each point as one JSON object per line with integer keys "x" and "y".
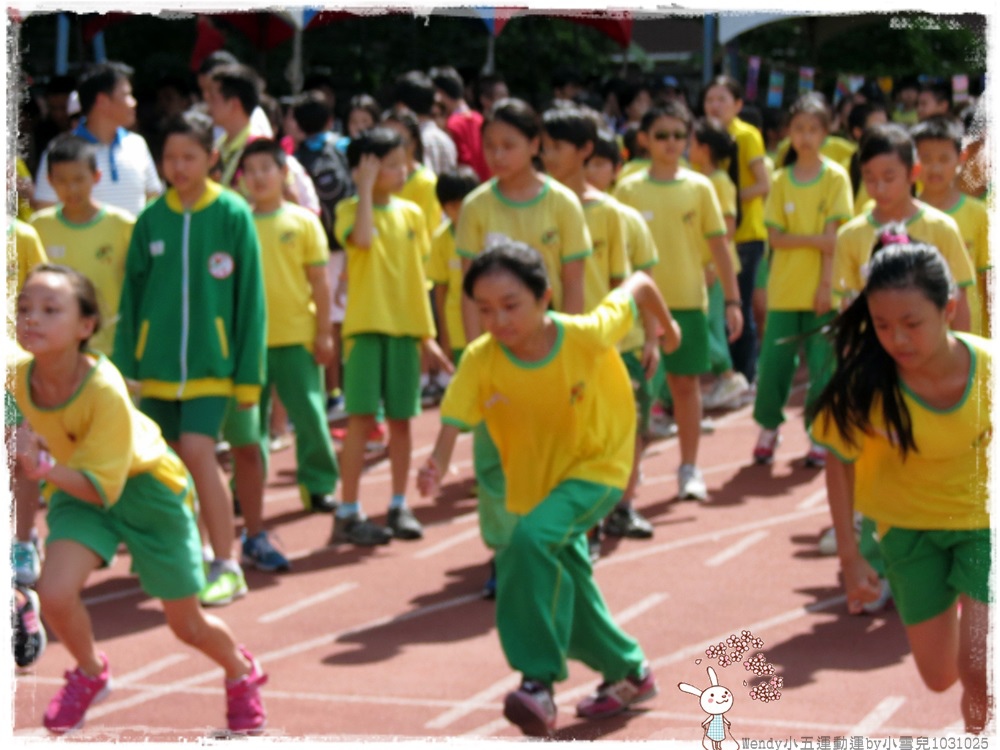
{"x": 261, "y": 273}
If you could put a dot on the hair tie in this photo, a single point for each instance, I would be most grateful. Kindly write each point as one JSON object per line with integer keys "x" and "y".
{"x": 891, "y": 238}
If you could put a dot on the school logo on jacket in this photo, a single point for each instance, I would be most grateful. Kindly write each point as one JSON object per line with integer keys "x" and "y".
{"x": 220, "y": 265}
{"x": 156, "y": 247}
{"x": 105, "y": 254}
{"x": 550, "y": 237}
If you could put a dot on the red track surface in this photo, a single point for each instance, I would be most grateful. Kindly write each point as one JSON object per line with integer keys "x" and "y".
{"x": 396, "y": 643}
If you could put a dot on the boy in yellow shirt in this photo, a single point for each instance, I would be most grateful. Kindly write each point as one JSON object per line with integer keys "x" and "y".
{"x": 294, "y": 253}
{"x": 387, "y": 321}
{"x": 939, "y": 146}
{"x": 82, "y": 233}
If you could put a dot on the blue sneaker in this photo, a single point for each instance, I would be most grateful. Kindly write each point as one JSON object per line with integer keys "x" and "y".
{"x": 261, "y": 554}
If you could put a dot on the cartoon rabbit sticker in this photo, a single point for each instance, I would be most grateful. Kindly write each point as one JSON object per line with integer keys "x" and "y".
{"x": 715, "y": 701}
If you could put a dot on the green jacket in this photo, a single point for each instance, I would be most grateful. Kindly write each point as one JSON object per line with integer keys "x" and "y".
{"x": 192, "y": 314}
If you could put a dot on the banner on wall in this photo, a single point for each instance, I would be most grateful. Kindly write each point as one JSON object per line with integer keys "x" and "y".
{"x": 807, "y": 79}
{"x": 775, "y": 89}
{"x": 959, "y": 89}
{"x": 753, "y": 76}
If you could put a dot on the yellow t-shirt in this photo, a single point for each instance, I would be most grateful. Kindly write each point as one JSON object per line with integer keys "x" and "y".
{"x": 944, "y": 483}
{"x": 552, "y": 222}
{"x": 291, "y": 240}
{"x": 804, "y": 208}
{"x": 23, "y": 254}
{"x": 640, "y": 250}
{"x": 99, "y": 432}
{"x": 725, "y": 191}
{"x": 682, "y": 214}
{"x": 631, "y": 167}
{"x": 420, "y": 188}
{"x": 608, "y": 262}
{"x": 23, "y": 204}
{"x": 557, "y": 419}
{"x": 972, "y": 218}
{"x": 751, "y": 148}
{"x": 445, "y": 268}
{"x": 387, "y": 289}
{"x": 857, "y": 237}
{"x": 97, "y": 249}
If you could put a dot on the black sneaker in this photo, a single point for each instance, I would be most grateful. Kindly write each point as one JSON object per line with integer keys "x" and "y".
{"x": 360, "y": 531}
{"x": 627, "y": 522}
{"x": 322, "y": 503}
{"x": 403, "y": 524}
{"x": 531, "y": 708}
{"x": 490, "y": 587}
{"x": 29, "y": 633}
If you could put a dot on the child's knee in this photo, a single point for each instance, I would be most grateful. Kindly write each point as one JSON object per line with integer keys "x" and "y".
{"x": 683, "y": 385}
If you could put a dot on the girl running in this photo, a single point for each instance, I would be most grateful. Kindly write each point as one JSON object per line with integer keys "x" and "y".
{"x": 114, "y": 480}
{"x": 809, "y": 200}
{"x": 549, "y": 388}
{"x": 906, "y": 419}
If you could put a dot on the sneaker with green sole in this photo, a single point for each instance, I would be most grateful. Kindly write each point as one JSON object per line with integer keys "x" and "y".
{"x": 225, "y": 584}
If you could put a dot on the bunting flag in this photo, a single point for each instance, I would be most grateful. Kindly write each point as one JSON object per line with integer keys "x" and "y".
{"x": 776, "y": 89}
{"x": 807, "y": 78}
{"x": 843, "y": 89}
{"x": 885, "y": 84}
{"x": 753, "y": 74}
{"x": 959, "y": 89}
{"x": 209, "y": 40}
{"x": 855, "y": 82}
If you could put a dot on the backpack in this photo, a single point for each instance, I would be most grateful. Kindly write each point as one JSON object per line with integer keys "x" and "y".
{"x": 327, "y": 167}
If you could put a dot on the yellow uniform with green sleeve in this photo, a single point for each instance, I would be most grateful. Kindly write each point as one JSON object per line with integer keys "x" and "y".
{"x": 97, "y": 249}
{"x": 803, "y": 208}
{"x": 972, "y": 218}
{"x": 23, "y": 204}
{"x": 26, "y": 253}
{"x": 857, "y": 237}
{"x": 608, "y": 262}
{"x": 631, "y": 167}
{"x": 445, "y": 268}
{"x": 99, "y": 433}
{"x": 682, "y": 214}
{"x": 750, "y": 145}
{"x": 386, "y": 282}
{"x": 725, "y": 191}
{"x": 420, "y": 187}
{"x": 552, "y": 222}
{"x": 291, "y": 240}
{"x": 641, "y": 252}
{"x": 944, "y": 483}
{"x": 557, "y": 419}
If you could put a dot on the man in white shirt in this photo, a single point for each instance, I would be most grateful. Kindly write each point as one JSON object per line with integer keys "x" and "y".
{"x": 415, "y": 91}
{"x": 128, "y": 173}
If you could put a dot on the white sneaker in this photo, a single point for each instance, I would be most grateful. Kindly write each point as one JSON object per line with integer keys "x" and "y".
{"x": 25, "y": 562}
{"x": 727, "y": 392}
{"x": 691, "y": 484}
{"x": 827, "y": 544}
{"x": 662, "y": 427}
{"x": 885, "y": 595}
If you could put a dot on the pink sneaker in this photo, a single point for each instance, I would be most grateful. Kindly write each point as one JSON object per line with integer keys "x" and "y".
{"x": 531, "y": 708}
{"x": 67, "y": 709}
{"x": 244, "y": 708}
{"x": 767, "y": 441}
{"x": 614, "y": 697}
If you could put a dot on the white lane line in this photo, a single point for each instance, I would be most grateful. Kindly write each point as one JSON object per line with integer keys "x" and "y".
{"x": 736, "y": 549}
{"x": 711, "y": 536}
{"x": 151, "y": 668}
{"x": 707, "y": 471}
{"x": 878, "y": 716}
{"x": 271, "y": 656}
{"x": 448, "y": 543}
{"x": 486, "y": 698}
{"x": 815, "y": 500}
{"x": 112, "y": 597}
{"x": 641, "y": 607}
{"x": 309, "y": 601}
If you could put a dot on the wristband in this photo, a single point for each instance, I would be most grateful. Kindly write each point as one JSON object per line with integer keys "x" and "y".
{"x": 733, "y": 303}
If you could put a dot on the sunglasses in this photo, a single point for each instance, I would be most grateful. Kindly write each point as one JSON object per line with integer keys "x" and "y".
{"x": 666, "y": 135}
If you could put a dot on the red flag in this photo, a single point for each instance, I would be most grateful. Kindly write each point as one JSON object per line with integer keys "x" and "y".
{"x": 209, "y": 40}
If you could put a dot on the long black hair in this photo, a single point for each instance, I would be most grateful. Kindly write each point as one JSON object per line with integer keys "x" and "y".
{"x": 865, "y": 373}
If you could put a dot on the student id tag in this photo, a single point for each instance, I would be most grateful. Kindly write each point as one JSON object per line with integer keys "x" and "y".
{"x": 789, "y": 208}
{"x": 156, "y": 247}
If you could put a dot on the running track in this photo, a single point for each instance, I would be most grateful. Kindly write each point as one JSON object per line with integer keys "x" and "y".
{"x": 395, "y": 643}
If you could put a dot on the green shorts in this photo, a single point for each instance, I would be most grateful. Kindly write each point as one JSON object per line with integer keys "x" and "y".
{"x": 760, "y": 280}
{"x": 202, "y": 416}
{"x": 927, "y": 570}
{"x": 642, "y": 388}
{"x": 155, "y": 523}
{"x": 381, "y": 368}
{"x": 692, "y": 356}
{"x": 241, "y": 426}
